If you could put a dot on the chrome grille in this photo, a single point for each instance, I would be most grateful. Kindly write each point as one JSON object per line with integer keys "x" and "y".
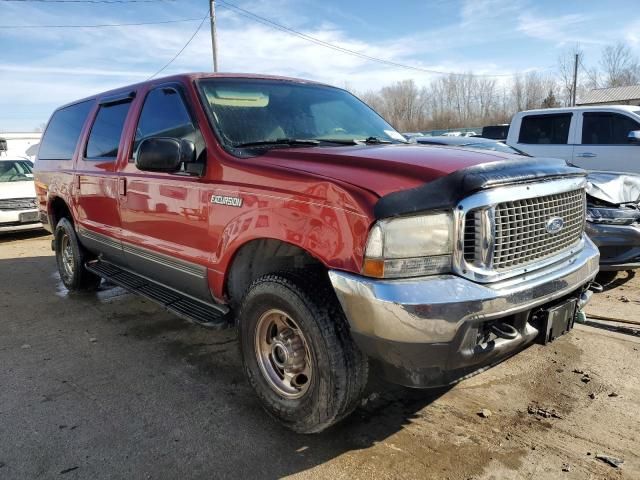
{"x": 18, "y": 204}
{"x": 519, "y": 235}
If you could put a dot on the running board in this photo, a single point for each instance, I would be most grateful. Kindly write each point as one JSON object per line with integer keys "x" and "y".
{"x": 205, "y": 314}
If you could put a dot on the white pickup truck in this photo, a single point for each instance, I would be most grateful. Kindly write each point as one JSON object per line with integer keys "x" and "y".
{"x": 595, "y": 138}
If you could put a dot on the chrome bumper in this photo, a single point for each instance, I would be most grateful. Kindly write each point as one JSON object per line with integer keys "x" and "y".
{"x": 433, "y": 309}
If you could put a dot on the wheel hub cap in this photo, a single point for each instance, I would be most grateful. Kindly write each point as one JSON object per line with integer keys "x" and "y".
{"x": 283, "y": 355}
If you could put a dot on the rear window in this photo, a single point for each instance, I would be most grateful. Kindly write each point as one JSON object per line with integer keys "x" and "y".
{"x": 61, "y": 136}
{"x": 496, "y": 132}
{"x": 106, "y": 131}
{"x": 545, "y": 129}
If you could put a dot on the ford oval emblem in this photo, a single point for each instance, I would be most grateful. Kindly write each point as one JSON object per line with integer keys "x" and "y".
{"x": 554, "y": 225}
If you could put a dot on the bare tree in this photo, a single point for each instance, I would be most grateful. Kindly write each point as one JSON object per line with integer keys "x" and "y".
{"x": 566, "y": 66}
{"x": 403, "y": 105}
{"x": 620, "y": 67}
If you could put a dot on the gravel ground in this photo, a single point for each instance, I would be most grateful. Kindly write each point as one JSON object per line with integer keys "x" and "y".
{"x": 107, "y": 385}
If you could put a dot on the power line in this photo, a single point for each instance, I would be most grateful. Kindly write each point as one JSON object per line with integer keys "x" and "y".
{"x": 101, "y": 24}
{"x": 86, "y": 1}
{"x": 182, "y": 49}
{"x": 271, "y": 23}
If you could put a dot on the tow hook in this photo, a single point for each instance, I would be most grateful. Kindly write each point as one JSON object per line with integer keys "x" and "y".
{"x": 504, "y": 330}
{"x": 596, "y": 287}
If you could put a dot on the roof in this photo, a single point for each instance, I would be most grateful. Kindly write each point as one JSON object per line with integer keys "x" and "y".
{"x": 607, "y": 108}
{"x": 613, "y": 94}
{"x": 20, "y": 135}
{"x": 187, "y": 77}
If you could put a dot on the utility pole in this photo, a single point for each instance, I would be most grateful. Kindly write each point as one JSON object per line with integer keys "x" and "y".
{"x": 214, "y": 46}
{"x": 575, "y": 80}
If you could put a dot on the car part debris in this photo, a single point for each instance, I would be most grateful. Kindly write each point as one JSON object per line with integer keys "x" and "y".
{"x": 613, "y": 187}
{"x": 614, "y": 462}
{"x": 535, "y": 409}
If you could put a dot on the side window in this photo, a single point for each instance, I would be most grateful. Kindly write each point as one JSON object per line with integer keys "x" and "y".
{"x": 61, "y": 136}
{"x": 606, "y": 128}
{"x": 552, "y": 129}
{"x": 164, "y": 114}
{"x": 106, "y": 131}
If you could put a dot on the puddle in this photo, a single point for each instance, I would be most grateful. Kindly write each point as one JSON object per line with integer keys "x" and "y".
{"x": 105, "y": 294}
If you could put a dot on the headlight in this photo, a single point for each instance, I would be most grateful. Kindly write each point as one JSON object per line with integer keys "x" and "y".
{"x": 410, "y": 246}
{"x": 613, "y": 216}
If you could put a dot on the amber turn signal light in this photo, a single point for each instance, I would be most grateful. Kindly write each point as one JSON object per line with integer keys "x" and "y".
{"x": 373, "y": 267}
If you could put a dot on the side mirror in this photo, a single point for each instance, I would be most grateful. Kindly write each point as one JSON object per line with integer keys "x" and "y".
{"x": 634, "y": 136}
{"x": 164, "y": 154}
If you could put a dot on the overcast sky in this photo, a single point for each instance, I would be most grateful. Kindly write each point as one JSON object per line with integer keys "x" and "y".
{"x": 43, "y": 68}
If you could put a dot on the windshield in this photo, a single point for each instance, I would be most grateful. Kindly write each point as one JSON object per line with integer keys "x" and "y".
{"x": 15, "y": 170}
{"x": 249, "y": 112}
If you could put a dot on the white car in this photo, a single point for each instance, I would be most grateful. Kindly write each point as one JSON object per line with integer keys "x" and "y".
{"x": 18, "y": 205}
{"x": 595, "y": 138}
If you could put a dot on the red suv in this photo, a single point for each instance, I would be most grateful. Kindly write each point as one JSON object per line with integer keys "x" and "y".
{"x": 290, "y": 210}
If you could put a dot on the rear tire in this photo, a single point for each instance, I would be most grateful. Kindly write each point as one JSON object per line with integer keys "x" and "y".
{"x": 303, "y": 363}
{"x": 71, "y": 257}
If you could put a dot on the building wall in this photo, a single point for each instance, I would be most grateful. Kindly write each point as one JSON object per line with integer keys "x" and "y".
{"x": 20, "y": 144}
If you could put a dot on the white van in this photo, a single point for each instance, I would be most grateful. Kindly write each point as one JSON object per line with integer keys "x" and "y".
{"x": 594, "y": 138}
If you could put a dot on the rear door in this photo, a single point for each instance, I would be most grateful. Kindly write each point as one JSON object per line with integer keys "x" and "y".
{"x": 546, "y": 135}
{"x": 603, "y": 143}
{"x": 165, "y": 215}
{"x": 96, "y": 179}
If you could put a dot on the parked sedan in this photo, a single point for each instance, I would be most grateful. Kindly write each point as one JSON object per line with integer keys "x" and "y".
{"x": 478, "y": 143}
{"x": 613, "y": 220}
{"x": 18, "y": 207}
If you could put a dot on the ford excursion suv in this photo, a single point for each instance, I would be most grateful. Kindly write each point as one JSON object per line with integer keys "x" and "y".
{"x": 291, "y": 211}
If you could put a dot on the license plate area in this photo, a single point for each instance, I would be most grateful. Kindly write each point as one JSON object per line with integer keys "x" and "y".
{"x": 29, "y": 217}
{"x": 556, "y": 321}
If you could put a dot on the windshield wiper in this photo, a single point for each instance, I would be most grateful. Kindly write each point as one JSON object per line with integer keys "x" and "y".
{"x": 289, "y": 142}
{"x": 375, "y": 140}
{"x": 339, "y": 141}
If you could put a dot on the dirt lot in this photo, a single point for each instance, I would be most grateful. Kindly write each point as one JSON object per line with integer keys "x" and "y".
{"x": 108, "y": 385}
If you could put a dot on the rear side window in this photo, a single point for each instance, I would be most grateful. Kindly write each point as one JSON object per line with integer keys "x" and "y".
{"x": 164, "y": 114}
{"x": 606, "y": 128}
{"x": 106, "y": 131}
{"x": 61, "y": 136}
{"x": 545, "y": 129}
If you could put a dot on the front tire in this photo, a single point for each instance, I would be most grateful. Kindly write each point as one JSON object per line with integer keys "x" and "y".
{"x": 298, "y": 353}
{"x": 70, "y": 257}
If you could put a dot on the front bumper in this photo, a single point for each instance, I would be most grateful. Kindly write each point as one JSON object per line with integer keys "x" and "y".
{"x": 424, "y": 331}
{"x": 10, "y": 221}
{"x": 619, "y": 245}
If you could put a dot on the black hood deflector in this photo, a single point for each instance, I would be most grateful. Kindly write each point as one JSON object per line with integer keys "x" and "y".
{"x": 445, "y": 192}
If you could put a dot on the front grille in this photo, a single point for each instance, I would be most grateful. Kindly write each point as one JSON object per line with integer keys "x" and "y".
{"x": 18, "y": 204}
{"x": 520, "y": 235}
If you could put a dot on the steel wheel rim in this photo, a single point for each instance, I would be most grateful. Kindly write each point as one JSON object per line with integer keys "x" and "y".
{"x": 66, "y": 251}
{"x": 283, "y": 354}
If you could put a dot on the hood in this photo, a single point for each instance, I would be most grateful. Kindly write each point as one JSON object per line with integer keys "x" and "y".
{"x": 381, "y": 169}
{"x": 25, "y": 189}
{"x": 614, "y": 187}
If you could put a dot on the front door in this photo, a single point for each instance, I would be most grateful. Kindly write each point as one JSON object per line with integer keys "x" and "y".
{"x": 604, "y": 143}
{"x": 96, "y": 179}
{"x": 165, "y": 215}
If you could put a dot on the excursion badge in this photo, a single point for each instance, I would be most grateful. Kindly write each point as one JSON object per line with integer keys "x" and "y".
{"x": 228, "y": 201}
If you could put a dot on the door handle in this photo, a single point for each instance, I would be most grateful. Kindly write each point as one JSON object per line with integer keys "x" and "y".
{"x": 122, "y": 186}
{"x": 586, "y": 155}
